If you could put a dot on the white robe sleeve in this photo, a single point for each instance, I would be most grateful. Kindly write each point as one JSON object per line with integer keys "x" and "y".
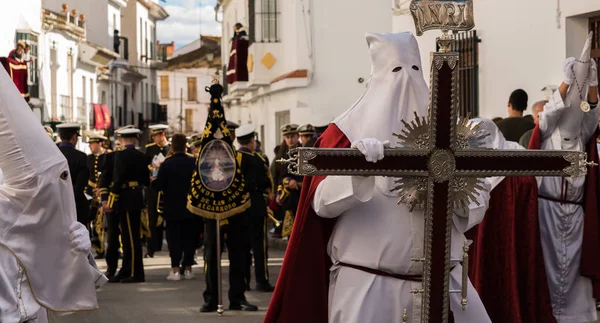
{"x": 336, "y": 194}
{"x": 466, "y": 218}
{"x": 551, "y": 115}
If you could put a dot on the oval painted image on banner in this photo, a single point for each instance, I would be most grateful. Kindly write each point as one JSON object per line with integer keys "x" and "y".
{"x": 217, "y": 166}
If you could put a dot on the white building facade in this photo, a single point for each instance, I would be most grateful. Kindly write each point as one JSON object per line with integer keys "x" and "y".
{"x": 182, "y": 84}
{"x": 522, "y": 45}
{"x": 308, "y": 60}
{"x": 137, "y": 97}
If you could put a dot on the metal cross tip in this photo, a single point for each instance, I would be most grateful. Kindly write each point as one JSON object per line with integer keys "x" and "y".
{"x": 591, "y": 164}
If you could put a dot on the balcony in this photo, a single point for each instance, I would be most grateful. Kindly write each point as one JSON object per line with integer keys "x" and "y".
{"x": 66, "y": 22}
{"x": 66, "y": 107}
{"x": 82, "y": 114}
{"x": 96, "y": 55}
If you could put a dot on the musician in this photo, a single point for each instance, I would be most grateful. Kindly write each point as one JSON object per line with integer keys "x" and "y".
{"x": 160, "y": 146}
{"x": 95, "y": 164}
{"x": 69, "y": 136}
{"x": 258, "y": 183}
{"x": 127, "y": 201}
{"x": 289, "y": 185}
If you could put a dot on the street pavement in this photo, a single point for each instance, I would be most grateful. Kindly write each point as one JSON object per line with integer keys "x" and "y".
{"x": 158, "y": 300}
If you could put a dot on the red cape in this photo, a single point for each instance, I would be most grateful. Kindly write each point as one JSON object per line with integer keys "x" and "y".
{"x": 506, "y": 263}
{"x": 18, "y": 73}
{"x": 301, "y": 293}
{"x": 590, "y": 250}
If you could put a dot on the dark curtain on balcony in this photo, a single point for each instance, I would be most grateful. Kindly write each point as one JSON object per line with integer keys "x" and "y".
{"x": 238, "y": 62}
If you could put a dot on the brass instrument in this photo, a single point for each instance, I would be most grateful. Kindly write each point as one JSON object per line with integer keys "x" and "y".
{"x": 272, "y": 218}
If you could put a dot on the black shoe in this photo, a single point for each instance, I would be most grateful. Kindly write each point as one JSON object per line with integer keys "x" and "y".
{"x": 109, "y": 274}
{"x": 208, "y": 308}
{"x": 132, "y": 280}
{"x": 99, "y": 256}
{"x": 149, "y": 255}
{"x": 243, "y": 306}
{"x": 265, "y": 287}
{"x": 115, "y": 279}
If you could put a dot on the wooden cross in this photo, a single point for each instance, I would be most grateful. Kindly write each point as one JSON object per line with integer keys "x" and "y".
{"x": 438, "y": 160}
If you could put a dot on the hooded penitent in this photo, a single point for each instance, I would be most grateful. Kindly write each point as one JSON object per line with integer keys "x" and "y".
{"x": 37, "y": 207}
{"x": 391, "y": 96}
{"x": 572, "y": 117}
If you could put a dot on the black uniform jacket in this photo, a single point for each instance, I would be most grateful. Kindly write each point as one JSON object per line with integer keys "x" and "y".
{"x": 256, "y": 176}
{"x": 130, "y": 175}
{"x": 174, "y": 178}
{"x": 79, "y": 176}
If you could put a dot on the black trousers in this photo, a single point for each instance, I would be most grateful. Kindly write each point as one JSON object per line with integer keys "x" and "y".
{"x": 132, "y": 265}
{"x": 156, "y": 234}
{"x": 182, "y": 236}
{"x": 112, "y": 244}
{"x": 236, "y": 249}
{"x": 257, "y": 238}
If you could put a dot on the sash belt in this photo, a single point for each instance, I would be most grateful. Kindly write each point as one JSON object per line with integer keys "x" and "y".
{"x": 559, "y": 201}
{"x": 412, "y": 278}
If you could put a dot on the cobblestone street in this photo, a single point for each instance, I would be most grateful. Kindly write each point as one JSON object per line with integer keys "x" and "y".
{"x": 158, "y": 300}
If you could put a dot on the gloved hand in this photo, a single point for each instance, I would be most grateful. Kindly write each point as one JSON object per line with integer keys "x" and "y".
{"x": 569, "y": 77}
{"x": 593, "y": 73}
{"x": 80, "y": 238}
{"x": 371, "y": 148}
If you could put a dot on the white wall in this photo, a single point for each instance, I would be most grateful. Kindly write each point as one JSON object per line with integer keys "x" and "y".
{"x": 330, "y": 44}
{"x": 518, "y": 49}
{"x": 177, "y": 82}
{"x": 28, "y": 15}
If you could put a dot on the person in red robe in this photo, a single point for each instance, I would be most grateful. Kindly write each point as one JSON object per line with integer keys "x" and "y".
{"x": 506, "y": 263}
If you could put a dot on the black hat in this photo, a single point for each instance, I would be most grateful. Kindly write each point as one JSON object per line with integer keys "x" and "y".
{"x": 232, "y": 125}
{"x": 289, "y": 129}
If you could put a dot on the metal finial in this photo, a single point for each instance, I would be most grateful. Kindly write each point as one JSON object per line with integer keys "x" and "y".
{"x": 405, "y": 316}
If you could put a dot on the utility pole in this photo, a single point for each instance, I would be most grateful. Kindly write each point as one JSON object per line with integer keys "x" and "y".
{"x": 181, "y": 111}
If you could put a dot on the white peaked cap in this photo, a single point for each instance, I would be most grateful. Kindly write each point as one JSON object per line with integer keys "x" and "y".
{"x": 245, "y": 130}
{"x": 37, "y": 208}
{"x": 68, "y": 126}
{"x": 158, "y": 127}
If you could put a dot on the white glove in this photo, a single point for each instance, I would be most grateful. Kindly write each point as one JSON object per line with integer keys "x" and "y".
{"x": 371, "y": 148}
{"x": 80, "y": 238}
{"x": 593, "y": 73}
{"x": 568, "y": 70}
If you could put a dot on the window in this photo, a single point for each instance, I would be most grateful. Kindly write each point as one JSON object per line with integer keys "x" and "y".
{"x": 595, "y": 27}
{"x": 32, "y": 66}
{"x": 146, "y": 39}
{"x": 264, "y": 21}
{"x": 148, "y": 107}
{"x": 53, "y": 81}
{"x": 192, "y": 89}
{"x": 103, "y": 97}
{"x": 164, "y": 87}
{"x": 81, "y": 113}
{"x": 70, "y": 72}
{"x": 281, "y": 118}
{"x": 467, "y": 45}
{"x": 91, "y": 98}
{"x": 189, "y": 120}
{"x": 66, "y": 108}
{"x": 141, "y": 37}
{"x": 142, "y": 96}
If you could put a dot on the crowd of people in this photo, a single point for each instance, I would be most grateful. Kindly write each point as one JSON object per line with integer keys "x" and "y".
{"x": 128, "y": 199}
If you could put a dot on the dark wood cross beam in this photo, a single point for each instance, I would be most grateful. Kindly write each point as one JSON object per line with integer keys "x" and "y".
{"x": 441, "y": 157}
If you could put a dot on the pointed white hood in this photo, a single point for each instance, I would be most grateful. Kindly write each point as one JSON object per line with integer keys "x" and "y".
{"x": 391, "y": 96}
{"x": 571, "y": 119}
{"x": 37, "y": 207}
{"x": 394, "y": 92}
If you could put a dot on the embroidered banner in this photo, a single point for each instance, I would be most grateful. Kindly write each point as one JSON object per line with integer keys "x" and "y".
{"x": 218, "y": 190}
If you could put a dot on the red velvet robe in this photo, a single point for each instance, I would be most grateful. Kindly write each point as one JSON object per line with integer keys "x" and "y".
{"x": 18, "y": 73}
{"x": 237, "y": 70}
{"x": 301, "y": 293}
{"x": 506, "y": 263}
{"x": 590, "y": 250}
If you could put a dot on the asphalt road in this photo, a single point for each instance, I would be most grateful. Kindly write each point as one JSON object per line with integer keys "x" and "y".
{"x": 159, "y": 300}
